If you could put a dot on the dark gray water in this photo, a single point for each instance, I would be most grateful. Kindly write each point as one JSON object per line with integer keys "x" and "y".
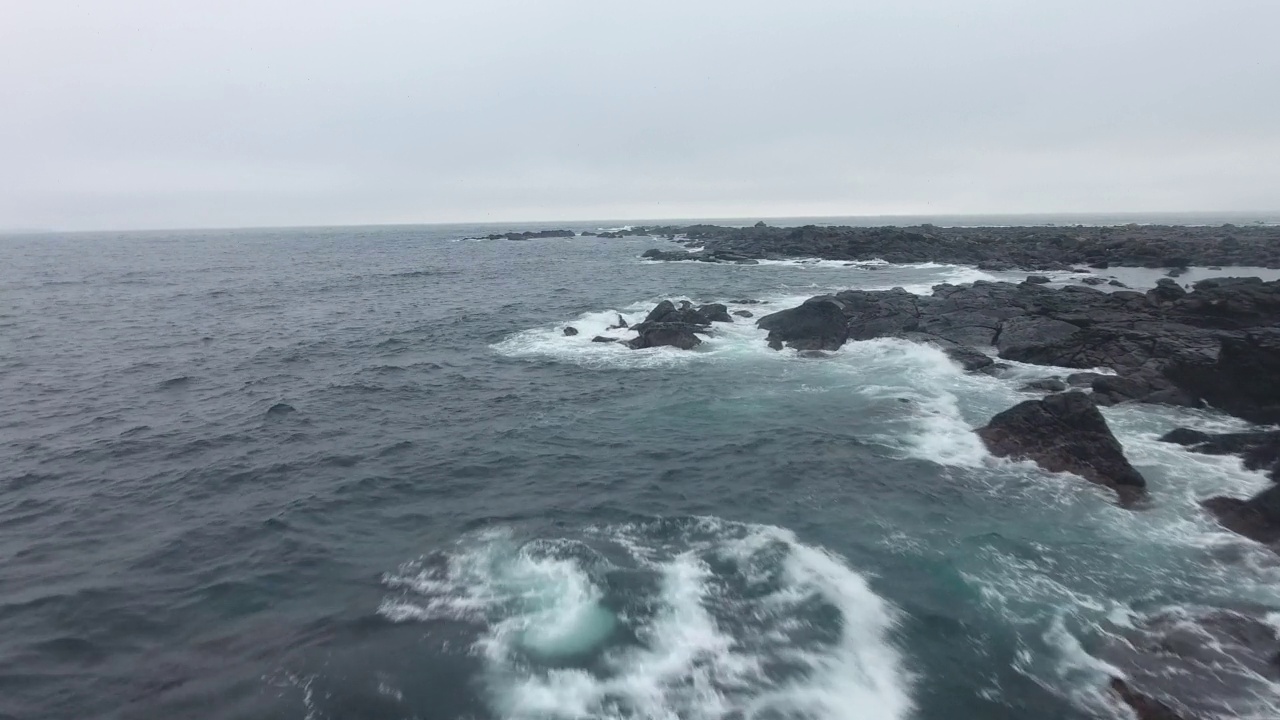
{"x": 361, "y": 473}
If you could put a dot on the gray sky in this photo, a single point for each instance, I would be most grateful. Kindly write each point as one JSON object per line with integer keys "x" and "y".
{"x": 167, "y": 113}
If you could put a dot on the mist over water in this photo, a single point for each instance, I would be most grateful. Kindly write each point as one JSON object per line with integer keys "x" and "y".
{"x": 362, "y": 472}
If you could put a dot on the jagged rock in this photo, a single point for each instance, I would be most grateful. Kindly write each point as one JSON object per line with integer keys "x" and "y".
{"x": 670, "y": 325}
{"x": 818, "y": 324}
{"x": 620, "y": 325}
{"x": 1064, "y": 433}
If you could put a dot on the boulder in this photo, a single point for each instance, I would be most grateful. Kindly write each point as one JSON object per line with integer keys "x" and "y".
{"x": 1038, "y": 280}
{"x": 1166, "y": 291}
{"x": 603, "y": 339}
{"x": 1064, "y": 433}
{"x": 715, "y": 312}
{"x": 570, "y": 331}
{"x": 1083, "y": 379}
{"x": 744, "y": 313}
{"x": 818, "y": 324}
{"x": 669, "y": 325}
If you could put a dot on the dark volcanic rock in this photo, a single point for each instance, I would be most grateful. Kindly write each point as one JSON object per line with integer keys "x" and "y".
{"x": 966, "y": 357}
{"x": 1038, "y": 280}
{"x": 680, "y": 335}
{"x": 1051, "y": 385}
{"x": 1219, "y": 343}
{"x": 570, "y": 331}
{"x": 1257, "y": 518}
{"x": 996, "y": 248}
{"x": 1083, "y": 379}
{"x": 677, "y": 326}
{"x": 1260, "y": 450}
{"x": 1064, "y": 433}
{"x": 621, "y": 324}
{"x": 1244, "y": 380}
{"x": 534, "y": 235}
{"x": 1023, "y": 337}
{"x": 818, "y": 324}
{"x": 715, "y": 312}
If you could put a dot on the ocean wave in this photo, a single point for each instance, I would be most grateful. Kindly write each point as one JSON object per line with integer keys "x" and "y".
{"x": 689, "y": 618}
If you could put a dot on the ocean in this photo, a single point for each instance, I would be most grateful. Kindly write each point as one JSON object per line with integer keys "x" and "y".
{"x": 338, "y": 473}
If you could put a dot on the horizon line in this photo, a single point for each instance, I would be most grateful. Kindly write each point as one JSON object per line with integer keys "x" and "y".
{"x": 649, "y": 220}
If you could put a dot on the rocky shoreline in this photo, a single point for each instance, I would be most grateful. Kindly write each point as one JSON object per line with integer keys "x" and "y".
{"x": 988, "y": 248}
{"x": 1217, "y": 346}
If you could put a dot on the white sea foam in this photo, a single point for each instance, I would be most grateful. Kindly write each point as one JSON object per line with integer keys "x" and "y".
{"x": 753, "y": 638}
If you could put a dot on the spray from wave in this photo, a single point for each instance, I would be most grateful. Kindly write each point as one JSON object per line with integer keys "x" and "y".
{"x": 687, "y": 618}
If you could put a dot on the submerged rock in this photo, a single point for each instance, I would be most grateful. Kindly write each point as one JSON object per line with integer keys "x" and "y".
{"x": 744, "y": 313}
{"x": 1192, "y": 663}
{"x": 1064, "y": 433}
{"x": 570, "y": 331}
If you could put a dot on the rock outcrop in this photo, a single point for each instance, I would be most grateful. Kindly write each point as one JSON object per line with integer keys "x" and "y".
{"x": 994, "y": 248}
{"x": 1217, "y": 344}
{"x": 818, "y": 324}
{"x": 1064, "y": 433}
{"x": 678, "y": 326}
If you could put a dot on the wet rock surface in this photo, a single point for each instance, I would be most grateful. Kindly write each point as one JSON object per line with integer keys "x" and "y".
{"x": 1064, "y": 433}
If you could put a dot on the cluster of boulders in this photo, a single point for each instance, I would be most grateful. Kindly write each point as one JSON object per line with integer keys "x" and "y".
{"x": 1215, "y": 345}
{"x": 991, "y": 248}
{"x": 678, "y": 326}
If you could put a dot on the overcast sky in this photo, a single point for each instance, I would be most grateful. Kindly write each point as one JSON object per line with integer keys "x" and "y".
{"x": 167, "y": 113}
